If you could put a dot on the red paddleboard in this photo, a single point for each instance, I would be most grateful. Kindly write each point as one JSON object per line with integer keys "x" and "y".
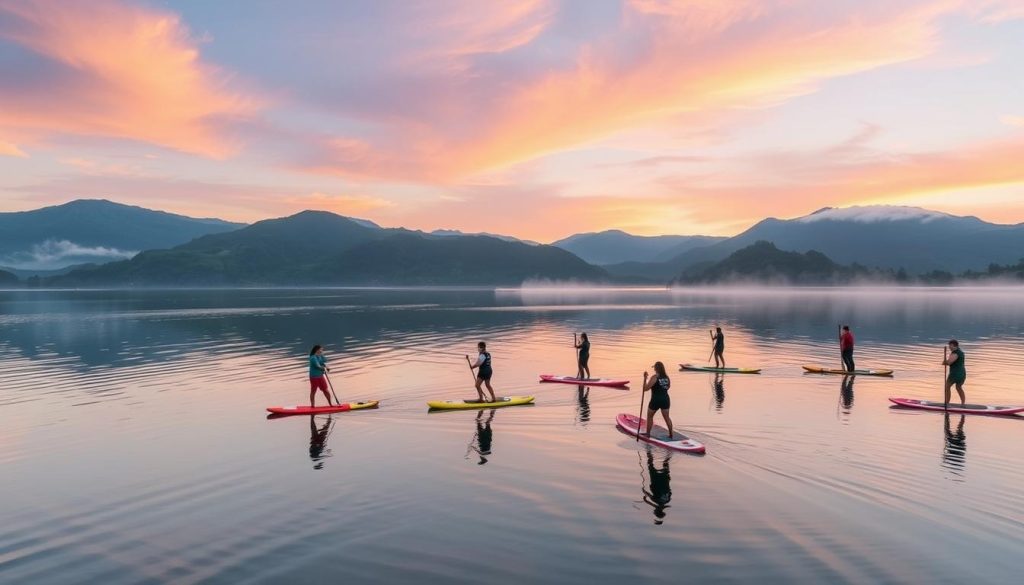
{"x": 322, "y": 409}
{"x": 630, "y": 424}
{"x": 956, "y": 407}
{"x": 583, "y": 381}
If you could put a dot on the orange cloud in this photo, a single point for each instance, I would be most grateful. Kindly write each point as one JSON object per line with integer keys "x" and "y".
{"x": 11, "y": 149}
{"x": 108, "y": 69}
{"x": 664, "y": 60}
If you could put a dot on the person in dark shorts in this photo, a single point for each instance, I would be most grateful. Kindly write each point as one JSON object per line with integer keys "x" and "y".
{"x": 483, "y": 371}
{"x": 658, "y": 384}
{"x": 846, "y": 348}
{"x": 317, "y": 375}
{"x": 957, "y": 371}
{"x": 583, "y": 360}
{"x": 719, "y": 338}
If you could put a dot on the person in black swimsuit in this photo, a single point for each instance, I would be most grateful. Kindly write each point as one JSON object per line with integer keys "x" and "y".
{"x": 658, "y": 384}
{"x": 583, "y": 362}
{"x": 484, "y": 371}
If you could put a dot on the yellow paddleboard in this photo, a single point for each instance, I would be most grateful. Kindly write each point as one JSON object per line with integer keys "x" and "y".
{"x": 819, "y": 370}
{"x": 467, "y": 404}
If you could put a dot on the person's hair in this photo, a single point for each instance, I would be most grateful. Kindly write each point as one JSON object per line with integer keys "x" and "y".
{"x": 584, "y": 337}
{"x": 954, "y": 343}
{"x": 718, "y": 329}
{"x": 481, "y": 345}
{"x": 315, "y": 349}
{"x": 846, "y": 327}
{"x": 659, "y": 368}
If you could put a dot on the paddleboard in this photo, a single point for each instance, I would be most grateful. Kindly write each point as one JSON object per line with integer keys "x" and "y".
{"x": 466, "y": 404}
{"x": 582, "y": 382}
{"x": 956, "y": 407}
{"x": 322, "y": 409}
{"x": 629, "y": 424}
{"x": 693, "y": 368}
{"x": 820, "y": 370}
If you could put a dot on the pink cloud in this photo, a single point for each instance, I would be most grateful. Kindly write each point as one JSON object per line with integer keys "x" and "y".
{"x": 109, "y": 69}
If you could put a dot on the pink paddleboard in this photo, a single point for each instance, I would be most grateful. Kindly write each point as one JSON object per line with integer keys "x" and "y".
{"x": 630, "y": 424}
{"x": 956, "y": 407}
{"x": 583, "y": 381}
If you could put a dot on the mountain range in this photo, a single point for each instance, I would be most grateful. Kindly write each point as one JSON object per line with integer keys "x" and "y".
{"x": 89, "y": 230}
{"x": 323, "y": 248}
{"x": 616, "y": 246}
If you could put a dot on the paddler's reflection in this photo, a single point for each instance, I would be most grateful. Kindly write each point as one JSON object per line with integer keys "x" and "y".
{"x": 846, "y": 392}
{"x": 582, "y": 405}
{"x": 318, "y": 450}
{"x": 658, "y": 492}
{"x": 481, "y": 442}
{"x": 718, "y": 388}
{"x": 954, "y": 453}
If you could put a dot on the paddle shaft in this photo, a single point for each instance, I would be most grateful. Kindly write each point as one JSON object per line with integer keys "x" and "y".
{"x": 711, "y": 333}
{"x": 471, "y": 372}
{"x": 839, "y": 332}
{"x": 331, "y": 386}
{"x": 576, "y": 344}
{"x": 641, "y": 415}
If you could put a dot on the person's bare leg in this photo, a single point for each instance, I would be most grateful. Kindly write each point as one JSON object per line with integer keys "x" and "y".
{"x": 650, "y": 421}
{"x": 960, "y": 391}
{"x": 479, "y": 391}
{"x": 586, "y": 369}
{"x": 489, "y": 389}
{"x": 312, "y": 398}
{"x": 668, "y": 421}
{"x": 945, "y": 403}
{"x": 327, "y": 396}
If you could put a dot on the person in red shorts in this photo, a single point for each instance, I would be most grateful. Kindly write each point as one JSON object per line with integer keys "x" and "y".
{"x": 318, "y": 375}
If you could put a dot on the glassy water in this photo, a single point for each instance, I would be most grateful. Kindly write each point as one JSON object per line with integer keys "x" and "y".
{"x": 135, "y": 448}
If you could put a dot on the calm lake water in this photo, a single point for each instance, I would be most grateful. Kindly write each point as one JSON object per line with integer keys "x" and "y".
{"x": 135, "y": 449}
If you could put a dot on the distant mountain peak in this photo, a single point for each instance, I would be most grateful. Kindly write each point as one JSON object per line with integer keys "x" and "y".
{"x": 873, "y": 214}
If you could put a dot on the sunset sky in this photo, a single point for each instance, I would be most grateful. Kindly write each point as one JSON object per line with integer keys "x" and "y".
{"x": 532, "y": 118}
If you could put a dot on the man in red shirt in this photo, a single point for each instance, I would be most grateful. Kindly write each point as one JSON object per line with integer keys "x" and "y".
{"x": 846, "y": 348}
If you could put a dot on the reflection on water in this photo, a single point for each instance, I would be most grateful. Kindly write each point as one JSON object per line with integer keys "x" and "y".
{"x": 954, "y": 454}
{"x": 582, "y": 405}
{"x": 482, "y": 437}
{"x": 718, "y": 391}
{"x": 318, "y": 450}
{"x": 657, "y": 485}
{"x": 121, "y": 412}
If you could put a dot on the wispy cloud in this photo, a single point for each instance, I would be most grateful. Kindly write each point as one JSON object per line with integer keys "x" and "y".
{"x": 114, "y": 70}
{"x": 53, "y": 254}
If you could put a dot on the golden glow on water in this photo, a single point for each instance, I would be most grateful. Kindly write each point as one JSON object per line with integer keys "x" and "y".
{"x": 135, "y": 446}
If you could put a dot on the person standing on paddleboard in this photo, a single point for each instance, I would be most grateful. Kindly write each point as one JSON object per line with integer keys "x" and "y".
{"x": 658, "y": 385}
{"x": 317, "y": 375}
{"x": 719, "y": 338}
{"x": 846, "y": 348}
{"x": 583, "y": 358}
{"x": 957, "y": 371}
{"x": 484, "y": 371}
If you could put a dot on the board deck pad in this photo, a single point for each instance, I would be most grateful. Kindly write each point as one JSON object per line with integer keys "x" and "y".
{"x": 956, "y": 407}
{"x": 693, "y": 368}
{"x": 630, "y": 424}
{"x": 475, "y": 403}
{"x": 583, "y": 382}
{"x": 820, "y": 370}
{"x": 305, "y": 409}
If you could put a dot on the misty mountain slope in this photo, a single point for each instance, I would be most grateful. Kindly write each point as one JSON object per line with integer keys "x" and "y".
{"x": 89, "y": 230}
{"x": 617, "y": 246}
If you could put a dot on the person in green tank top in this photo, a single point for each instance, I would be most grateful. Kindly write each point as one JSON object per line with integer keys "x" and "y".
{"x": 957, "y": 371}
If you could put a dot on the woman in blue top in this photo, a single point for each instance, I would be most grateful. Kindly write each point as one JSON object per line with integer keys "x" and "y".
{"x": 318, "y": 375}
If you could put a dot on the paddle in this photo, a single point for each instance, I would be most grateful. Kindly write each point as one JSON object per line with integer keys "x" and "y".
{"x": 712, "y": 334}
{"x": 945, "y": 375}
{"x": 641, "y": 417}
{"x": 839, "y": 332}
{"x": 331, "y": 386}
{"x": 576, "y": 344}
